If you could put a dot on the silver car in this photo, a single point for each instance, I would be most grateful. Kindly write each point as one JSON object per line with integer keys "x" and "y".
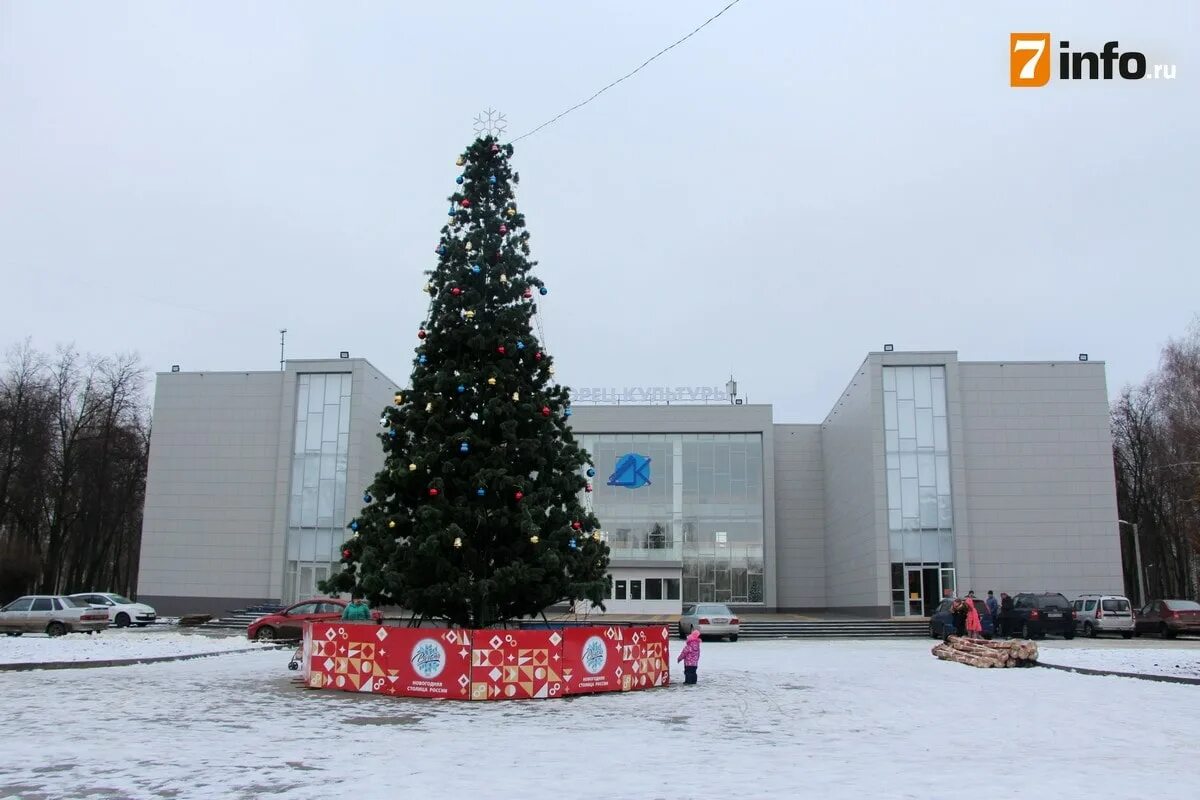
{"x": 51, "y": 614}
{"x": 711, "y": 619}
{"x": 1103, "y": 613}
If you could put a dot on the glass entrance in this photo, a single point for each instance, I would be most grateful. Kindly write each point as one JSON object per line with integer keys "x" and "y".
{"x": 917, "y": 589}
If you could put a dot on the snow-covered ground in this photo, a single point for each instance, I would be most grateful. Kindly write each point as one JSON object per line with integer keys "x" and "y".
{"x": 768, "y": 719}
{"x": 1178, "y": 659}
{"x": 113, "y": 644}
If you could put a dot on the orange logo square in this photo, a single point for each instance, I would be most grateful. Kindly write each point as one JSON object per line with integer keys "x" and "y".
{"x": 1028, "y": 59}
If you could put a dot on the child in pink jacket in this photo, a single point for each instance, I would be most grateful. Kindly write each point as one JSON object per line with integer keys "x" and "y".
{"x": 690, "y": 656}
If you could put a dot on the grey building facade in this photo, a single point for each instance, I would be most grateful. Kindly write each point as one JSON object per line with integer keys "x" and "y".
{"x": 928, "y": 475}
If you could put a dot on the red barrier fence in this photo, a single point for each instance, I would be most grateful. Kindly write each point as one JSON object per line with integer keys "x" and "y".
{"x": 485, "y": 664}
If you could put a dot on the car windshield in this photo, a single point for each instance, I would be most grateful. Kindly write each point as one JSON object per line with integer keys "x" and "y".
{"x": 121, "y": 601}
{"x": 1115, "y": 605}
{"x": 714, "y": 609}
{"x": 1183, "y": 605}
{"x": 1055, "y": 601}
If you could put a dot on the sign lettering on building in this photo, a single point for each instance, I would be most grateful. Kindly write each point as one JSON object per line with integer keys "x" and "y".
{"x": 651, "y": 394}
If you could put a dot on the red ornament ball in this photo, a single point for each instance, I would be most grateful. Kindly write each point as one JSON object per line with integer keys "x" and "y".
{"x": 528, "y": 293}
{"x": 577, "y": 525}
{"x": 495, "y": 148}
{"x": 456, "y": 291}
{"x": 545, "y": 411}
{"x": 421, "y": 334}
{"x": 537, "y": 356}
{"x": 501, "y": 350}
{"x": 587, "y": 488}
{"x": 518, "y": 495}
{"x": 433, "y": 492}
{"x": 345, "y": 554}
{"x": 503, "y": 229}
{"x": 465, "y": 203}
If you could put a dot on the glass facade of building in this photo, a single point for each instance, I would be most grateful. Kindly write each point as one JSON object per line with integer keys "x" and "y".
{"x": 317, "y": 503}
{"x": 920, "y": 513}
{"x": 698, "y": 501}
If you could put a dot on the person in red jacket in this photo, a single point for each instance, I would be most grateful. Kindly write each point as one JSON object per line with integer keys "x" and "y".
{"x": 974, "y": 623}
{"x": 690, "y": 656}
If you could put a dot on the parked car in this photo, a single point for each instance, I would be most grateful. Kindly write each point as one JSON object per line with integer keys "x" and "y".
{"x": 1168, "y": 618}
{"x": 711, "y": 619}
{"x": 1103, "y": 613}
{"x": 122, "y": 611}
{"x": 1035, "y": 614}
{"x": 941, "y": 624}
{"x": 53, "y": 615}
{"x": 289, "y": 623}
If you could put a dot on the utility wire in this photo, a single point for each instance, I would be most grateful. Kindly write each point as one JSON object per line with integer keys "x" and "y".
{"x": 631, "y": 74}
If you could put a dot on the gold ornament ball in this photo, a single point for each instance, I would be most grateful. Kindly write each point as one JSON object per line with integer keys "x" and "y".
{"x": 470, "y": 246}
{"x": 469, "y": 314}
{"x": 398, "y": 399}
{"x": 534, "y": 538}
{"x": 503, "y": 278}
{"x": 429, "y": 406}
{"x": 428, "y": 287}
{"x": 512, "y": 212}
{"x": 460, "y": 161}
{"x": 457, "y": 542}
{"x": 412, "y": 467}
{"x": 551, "y": 370}
{"x": 491, "y": 381}
{"x": 596, "y": 536}
{"x": 516, "y": 396}
{"x": 391, "y": 523}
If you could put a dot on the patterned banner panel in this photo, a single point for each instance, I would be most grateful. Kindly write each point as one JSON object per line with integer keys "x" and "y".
{"x": 412, "y": 662}
{"x": 516, "y": 665}
{"x": 484, "y": 664}
{"x": 592, "y": 659}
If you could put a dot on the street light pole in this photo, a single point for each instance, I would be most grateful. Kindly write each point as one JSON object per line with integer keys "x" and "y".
{"x": 1137, "y": 555}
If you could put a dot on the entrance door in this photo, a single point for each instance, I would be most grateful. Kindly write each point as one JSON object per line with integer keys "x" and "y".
{"x": 949, "y": 581}
{"x": 931, "y": 589}
{"x": 916, "y": 602}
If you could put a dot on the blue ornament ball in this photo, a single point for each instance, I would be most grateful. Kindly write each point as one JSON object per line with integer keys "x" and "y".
{"x": 441, "y": 250}
{"x": 520, "y": 345}
{"x": 572, "y": 543}
{"x": 475, "y": 268}
{"x": 459, "y": 180}
{"x": 464, "y": 447}
{"x": 421, "y": 360}
{"x": 567, "y": 411}
{"x": 591, "y": 473}
{"x": 543, "y": 290}
{"x": 461, "y": 388}
{"x": 366, "y": 497}
{"x": 354, "y": 525}
{"x": 481, "y": 491}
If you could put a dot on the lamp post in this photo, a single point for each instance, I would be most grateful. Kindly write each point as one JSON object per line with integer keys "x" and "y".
{"x": 1137, "y": 555}
{"x": 731, "y": 389}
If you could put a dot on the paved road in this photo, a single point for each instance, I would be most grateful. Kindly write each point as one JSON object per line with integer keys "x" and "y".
{"x": 1117, "y": 643}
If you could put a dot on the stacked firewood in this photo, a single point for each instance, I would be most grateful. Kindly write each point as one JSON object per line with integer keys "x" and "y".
{"x": 986, "y": 654}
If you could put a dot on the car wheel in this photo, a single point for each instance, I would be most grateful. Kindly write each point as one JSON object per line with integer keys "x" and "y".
{"x": 682, "y": 633}
{"x": 733, "y": 637}
{"x": 142, "y": 624}
{"x": 1025, "y": 632}
{"x": 1165, "y": 632}
{"x": 932, "y": 632}
{"x": 1069, "y": 635}
{"x": 1127, "y": 635}
{"x": 1089, "y": 630}
{"x": 56, "y": 629}
{"x": 265, "y": 634}
{"x": 122, "y": 620}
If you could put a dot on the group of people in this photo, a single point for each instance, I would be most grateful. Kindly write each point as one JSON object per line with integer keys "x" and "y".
{"x": 969, "y": 623}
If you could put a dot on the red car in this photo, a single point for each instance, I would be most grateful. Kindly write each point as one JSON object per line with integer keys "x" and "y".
{"x": 1168, "y": 618}
{"x": 289, "y": 623}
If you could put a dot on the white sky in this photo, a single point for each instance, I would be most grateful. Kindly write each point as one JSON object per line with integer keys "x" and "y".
{"x": 795, "y": 186}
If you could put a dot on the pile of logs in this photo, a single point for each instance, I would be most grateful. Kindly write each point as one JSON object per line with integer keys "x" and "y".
{"x": 986, "y": 654}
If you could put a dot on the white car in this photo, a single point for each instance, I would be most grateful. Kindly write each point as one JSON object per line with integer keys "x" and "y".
{"x": 711, "y": 619}
{"x": 122, "y": 611}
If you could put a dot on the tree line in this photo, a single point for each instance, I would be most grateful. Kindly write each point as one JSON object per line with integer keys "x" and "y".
{"x": 1156, "y": 447}
{"x": 74, "y": 441}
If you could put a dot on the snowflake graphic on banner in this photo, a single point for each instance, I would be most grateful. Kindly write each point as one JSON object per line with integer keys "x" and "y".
{"x": 428, "y": 658}
{"x": 594, "y": 655}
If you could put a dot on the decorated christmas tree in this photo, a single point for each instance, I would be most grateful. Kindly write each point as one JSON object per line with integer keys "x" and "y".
{"x": 480, "y": 513}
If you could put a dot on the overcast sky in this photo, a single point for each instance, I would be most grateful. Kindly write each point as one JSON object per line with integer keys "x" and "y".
{"x": 793, "y": 187}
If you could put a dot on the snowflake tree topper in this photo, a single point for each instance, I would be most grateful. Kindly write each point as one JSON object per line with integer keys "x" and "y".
{"x": 490, "y": 123}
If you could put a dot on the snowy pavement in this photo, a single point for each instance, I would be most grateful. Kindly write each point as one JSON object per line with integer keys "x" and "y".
{"x": 112, "y": 645}
{"x": 769, "y": 719}
{"x": 1179, "y": 659}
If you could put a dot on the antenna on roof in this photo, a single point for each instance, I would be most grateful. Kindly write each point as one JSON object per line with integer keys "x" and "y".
{"x": 282, "y": 338}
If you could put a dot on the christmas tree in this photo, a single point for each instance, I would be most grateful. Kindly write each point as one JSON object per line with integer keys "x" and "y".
{"x": 476, "y": 517}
